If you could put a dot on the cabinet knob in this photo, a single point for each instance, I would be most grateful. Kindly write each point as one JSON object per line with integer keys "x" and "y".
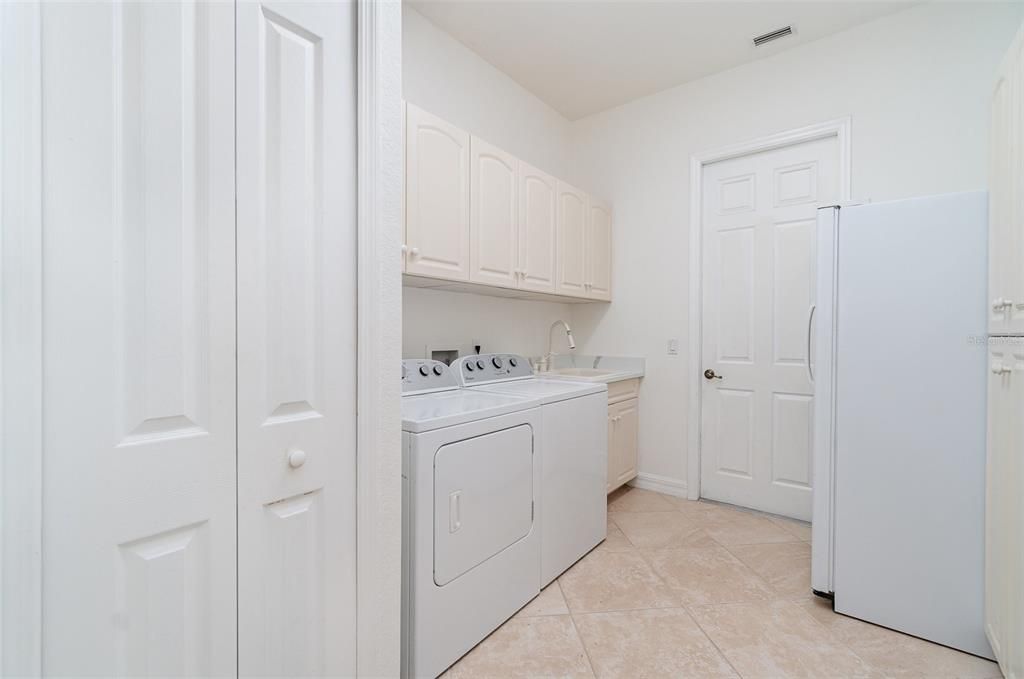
{"x": 296, "y": 458}
{"x": 415, "y": 252}
{"x": 405, "y": 248}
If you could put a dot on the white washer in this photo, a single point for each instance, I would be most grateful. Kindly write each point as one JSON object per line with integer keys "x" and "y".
{"x": 470, "y": 546}
{"x": 573, "y": 452}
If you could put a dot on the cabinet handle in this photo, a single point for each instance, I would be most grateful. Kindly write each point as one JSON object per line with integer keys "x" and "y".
{"x": 1000, "y": 369}
{"x": 999, "y": 304}
{"x": 296, "y": 458}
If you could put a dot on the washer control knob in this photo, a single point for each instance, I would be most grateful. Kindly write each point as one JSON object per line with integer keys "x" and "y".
{"x": 497, "y": 362}
{"x": 469, "y": 366}
{"x": 438, "y": 370}
{"x": 424, "y": 370}
{"x": 480, "y": 364}
{"x": 513, "y": 362}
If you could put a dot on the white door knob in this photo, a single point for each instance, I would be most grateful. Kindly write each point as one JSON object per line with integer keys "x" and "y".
{"x": 415, "y": 252}
{"x": 296, "y": 458}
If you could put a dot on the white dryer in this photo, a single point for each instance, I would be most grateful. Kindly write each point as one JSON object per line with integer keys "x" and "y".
{"x": 573, "y": 453}
{"x": 470, "y": 547}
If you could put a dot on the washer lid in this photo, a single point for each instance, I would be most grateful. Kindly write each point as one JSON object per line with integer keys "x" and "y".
{"x": 546, "y": 390}
{"x": 445, "y": 409}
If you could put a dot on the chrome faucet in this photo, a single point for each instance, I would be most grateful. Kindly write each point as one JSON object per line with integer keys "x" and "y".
{"x": 568, "y": 335}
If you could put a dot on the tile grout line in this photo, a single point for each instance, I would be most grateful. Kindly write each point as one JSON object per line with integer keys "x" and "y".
{"x": 712, "y": 641}
{"x": 579, "y": 635}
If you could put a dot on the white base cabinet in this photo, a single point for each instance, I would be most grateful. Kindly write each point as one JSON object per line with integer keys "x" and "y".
{"x": 623, "y": 430}
{"x": 477, "y": 215}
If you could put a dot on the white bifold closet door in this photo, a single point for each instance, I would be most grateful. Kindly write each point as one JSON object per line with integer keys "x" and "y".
{"x": 139, "y": 339}
{"x": 199, "y": 388}
{"x": 296, "y": 338}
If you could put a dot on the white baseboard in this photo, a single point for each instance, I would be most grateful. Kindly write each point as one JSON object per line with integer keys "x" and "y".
{"x": 660, "y": 484}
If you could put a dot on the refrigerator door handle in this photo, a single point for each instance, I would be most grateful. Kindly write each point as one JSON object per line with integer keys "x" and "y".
{"x": 810, "y": 326}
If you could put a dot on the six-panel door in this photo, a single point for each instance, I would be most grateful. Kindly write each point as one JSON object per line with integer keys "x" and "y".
{"x": 437, "y": 197}
{"x": 758, "y": 251}
{"x": 139, "y": 339}
{"x": 296, "y": 338}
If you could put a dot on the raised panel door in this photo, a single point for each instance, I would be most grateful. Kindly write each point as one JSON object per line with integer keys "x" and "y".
{"x": 437, "y": 173}
{"x": 493, "y": 221}
{"x": 599, "y": 251}
{"x": 538, "y": 229}
{"x": 139, "y": 340}
{"x": 758, "y": 253}
{"x": 626, "y": 417}
{"x": 296, "y": 338}
{"x": 572, "y": 240}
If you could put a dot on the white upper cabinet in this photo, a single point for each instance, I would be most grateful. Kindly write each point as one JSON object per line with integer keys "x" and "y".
{"x": 437, "y": 197}
{"x": 493, "y": 224}
{"x": 572, "y": 241}
{"x": 599, "y": 251}
{"x": 1006, "y": 199}
{"x": 479, "y": 215}
{"x": 538, "y": 229}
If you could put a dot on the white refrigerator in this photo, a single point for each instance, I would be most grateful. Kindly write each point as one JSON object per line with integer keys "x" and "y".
{"x": 899, "y": 367}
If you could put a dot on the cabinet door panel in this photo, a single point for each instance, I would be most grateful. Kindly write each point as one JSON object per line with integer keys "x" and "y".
{"x": 493, "y": 225}
{"x": 599, "y": 251}
{"x": 437, "y": 197}
{"x": 572, "y": 237}
{"x": 538, "y": 229}
{"x": 296, "y": 337}
{"x": 1006, "y": 197}
{"x": 626, "y": 425}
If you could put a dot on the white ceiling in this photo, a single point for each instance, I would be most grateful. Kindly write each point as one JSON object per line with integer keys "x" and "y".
{"x": 582, "y": 57}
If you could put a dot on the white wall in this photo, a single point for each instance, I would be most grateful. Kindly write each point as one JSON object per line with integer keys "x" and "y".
{"x": 457, "y": 320}
{"x": 917, "y": 87}
{"x": 444, "y": 77}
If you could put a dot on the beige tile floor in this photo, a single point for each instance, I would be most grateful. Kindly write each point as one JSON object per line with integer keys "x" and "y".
{"x": 696, "y": 589}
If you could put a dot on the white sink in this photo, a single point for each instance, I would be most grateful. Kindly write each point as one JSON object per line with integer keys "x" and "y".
{"x": 581, "y": 372}
{"x": 592, "y": 374}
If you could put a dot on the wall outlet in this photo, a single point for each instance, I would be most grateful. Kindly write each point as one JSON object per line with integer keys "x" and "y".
{"x": 673, "y": 347}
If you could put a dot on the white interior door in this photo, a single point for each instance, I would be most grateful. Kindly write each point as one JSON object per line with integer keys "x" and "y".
{"x": 572, "y": 239}
{"x": 758, "y": 240}
{"x": 296, "y": 338}
{"x": 493, "y": 223}
{"x": 139, "y": 339}
{"x": 538, "y": 219}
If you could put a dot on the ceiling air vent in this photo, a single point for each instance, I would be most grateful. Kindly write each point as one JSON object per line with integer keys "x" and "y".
{"x": 773, "y": 35}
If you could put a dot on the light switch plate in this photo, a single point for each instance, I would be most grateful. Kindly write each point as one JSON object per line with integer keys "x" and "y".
{"x": 673, "y": 347}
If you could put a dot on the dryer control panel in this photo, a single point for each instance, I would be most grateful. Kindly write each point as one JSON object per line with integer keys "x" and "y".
{"x": 484, "y": 368}
{"x": 422, "y": 375}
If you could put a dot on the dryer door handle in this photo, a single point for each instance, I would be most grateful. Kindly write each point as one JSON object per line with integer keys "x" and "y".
{"x": 454, "y": 511}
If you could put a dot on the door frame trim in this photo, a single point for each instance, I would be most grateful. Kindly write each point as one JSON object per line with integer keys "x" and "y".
{"x": 839, "y": 128}
{"x": 380, "y": 176}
